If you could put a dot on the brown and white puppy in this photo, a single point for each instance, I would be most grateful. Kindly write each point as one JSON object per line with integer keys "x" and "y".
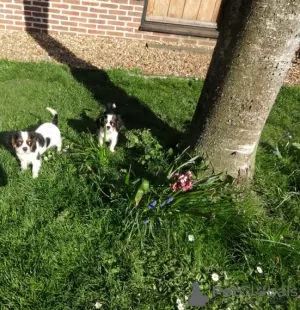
{"x": 30, "y": 145}
{"x": 108, "y": 125}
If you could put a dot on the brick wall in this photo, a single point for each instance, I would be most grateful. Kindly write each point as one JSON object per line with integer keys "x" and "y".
{"x": 104, "y": 18}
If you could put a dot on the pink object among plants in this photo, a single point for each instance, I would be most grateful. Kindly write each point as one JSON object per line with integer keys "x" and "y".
{"x": 183, "y": 181}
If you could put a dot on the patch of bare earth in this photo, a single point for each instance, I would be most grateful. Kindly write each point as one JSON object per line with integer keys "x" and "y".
{"x": 107, "y": 53}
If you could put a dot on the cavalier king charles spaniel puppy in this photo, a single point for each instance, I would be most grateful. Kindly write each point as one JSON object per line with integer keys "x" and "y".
{"x": 30, "y": 145}
{"x": 108, "y": 125}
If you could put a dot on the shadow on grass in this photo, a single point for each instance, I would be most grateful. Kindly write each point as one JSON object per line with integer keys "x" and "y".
{"x": 134, "y": 113}
{"x": 3, "y": 177}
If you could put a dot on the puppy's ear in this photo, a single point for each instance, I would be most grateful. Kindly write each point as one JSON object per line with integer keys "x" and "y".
{"x": 100, "y": 121}
{"x": 119, "y": 122}
{"x": 34, "y": 136}
{"x": 14, "y": 139}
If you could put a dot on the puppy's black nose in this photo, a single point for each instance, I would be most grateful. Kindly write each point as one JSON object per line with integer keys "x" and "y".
{"x": 25, "y": 149}
{"x": 107, "y": 127}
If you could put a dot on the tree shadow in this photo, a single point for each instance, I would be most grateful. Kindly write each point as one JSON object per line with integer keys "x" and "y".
{"x": 133, "y": 112}
{"x": 3, "y": 177}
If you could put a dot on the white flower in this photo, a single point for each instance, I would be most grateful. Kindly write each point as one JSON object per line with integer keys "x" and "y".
{"x": 178, "y": 301}
{"x": 215, "y": 277}
{"x": 271, "y": 293}
{"x": 180, "y": 307}
{"x": 186, "y": 298}
{"x": 259, "y": 270}
{"x": 191, "y": 238}
{"x": 98, "y": 305}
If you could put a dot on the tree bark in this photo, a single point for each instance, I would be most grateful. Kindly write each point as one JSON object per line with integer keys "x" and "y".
{"x": 257, "y": 41}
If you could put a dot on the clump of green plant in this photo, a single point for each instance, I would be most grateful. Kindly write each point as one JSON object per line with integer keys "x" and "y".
{"x": 149, "y": 152}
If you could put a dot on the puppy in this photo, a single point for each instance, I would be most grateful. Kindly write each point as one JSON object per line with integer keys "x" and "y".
{"x": 108, "y": 125}
{"x": 30, "y": 145}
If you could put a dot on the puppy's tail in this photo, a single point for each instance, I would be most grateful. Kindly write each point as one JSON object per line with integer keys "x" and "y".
{"x": 55, "y": 116}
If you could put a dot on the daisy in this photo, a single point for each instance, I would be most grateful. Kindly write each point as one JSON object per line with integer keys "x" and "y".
{"x": 215, "y": 277}
{"x": 259, "y": 270}
{"x": 180, "y": 307}
{"x": 191, "y": 238}
{"x": 98, "y": 305}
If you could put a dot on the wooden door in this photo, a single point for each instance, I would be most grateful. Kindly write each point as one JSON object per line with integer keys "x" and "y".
{"x": 203, "y": 13}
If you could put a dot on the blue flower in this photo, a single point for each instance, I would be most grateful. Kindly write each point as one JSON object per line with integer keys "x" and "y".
{"x": 170, "y": 199}
{"x": 287, "y": 134}
{"x": 276, "y": 152}
{"x": 152, "y": 204}
{"x": 145, "y": 221}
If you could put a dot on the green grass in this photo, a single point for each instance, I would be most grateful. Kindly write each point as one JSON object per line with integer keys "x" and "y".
{"x": 73, "y": 236}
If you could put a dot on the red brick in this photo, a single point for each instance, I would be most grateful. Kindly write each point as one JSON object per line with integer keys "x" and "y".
{"x": 51, "y": 10}
{"x": 9, "y": 22}
{"x": 40, "y": 3}
{"x": 78, "y": 30}
{"x": 125, "y": 18}
{"x": 2, "y": 26}
{"x": 20, "y": 23}
{"x": 97, "y": 21}
{"x": 40, "y": 25}
{"x": 105, "y": 27}
{"x": 7, "y": 11}
{"x": 117, "y": 12}
{"x": 33, "y": 29}
{"x": 115, "y": 34}
{"x": 53, "y": 22}
{"x": 89, "y": 3}
{"x": 14, "y": 6}
{"x": 169, "y": 39}
{"x": 90, "y": 26}
{"x": 16, "y": 17}
{"x": 138, "y": 8}
{"x": 54, "y": 27}
{"x": 126, "y": 7}
{"x": 78, "y": 19}
{"x": 79, "y": 8}
{"x": 34, "y": 9}
{"x": 101, "y": 11}
{"x": 108, "y": 5}
{"x": 136, "y": 20}
{"x": 116, "y": 23}
{"x": 121, "y": 1}
{"x": 107, "y": 16}
{"x": 39, "y": 14}
{"x": 135, "y": 2}
{"x": 70, "y": 13}
{"x": 133, "y": 35}
{"x": 206, "y": 43}
{"x": 71, "y": 1}
{"x": 134, "y": 25}
{"x": 126, "y": 29}
{"x": 187, "y": 41}
{"x": 91, "y": 15}
{"x": 60, "y": 16}
{"x": 129, "y": 13}
{"x": 12, "y": 27}
{"x": 68, "y": 23}
{"x": 60, "y": 6}
{"x": 93, "y": 31}
{"x": 32, "y": 19}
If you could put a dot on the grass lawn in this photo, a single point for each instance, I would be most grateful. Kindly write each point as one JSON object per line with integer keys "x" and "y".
{"x": 74, "y": 236}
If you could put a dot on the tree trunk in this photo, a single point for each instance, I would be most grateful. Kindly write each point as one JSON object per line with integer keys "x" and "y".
{"x": 257, "y": 41}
